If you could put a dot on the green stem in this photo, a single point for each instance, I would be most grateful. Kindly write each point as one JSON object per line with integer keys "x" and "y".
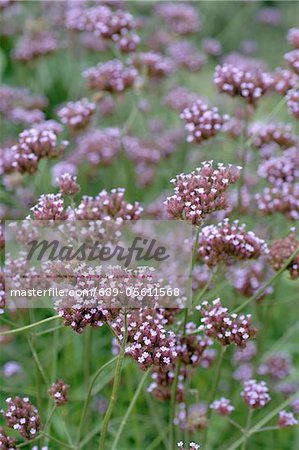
{"x": 129, "y": 410}
{"x": 88, "y": 397}
{"x": 115, "y": 388}
{"x": 178, "y": 366}
{"x": 214, "y": 390}
{"x": 244, "y": 445}
{"x": 29, "y": 327}
{"x": 258, "y": 426}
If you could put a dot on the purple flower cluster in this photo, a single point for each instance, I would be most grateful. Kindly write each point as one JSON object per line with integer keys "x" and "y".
{"x": 34, "y": 144}
{"x": 149, "y": 343}
{"x": 228, "y": 242}
{"x": 49, "y": 207}
{"x": 77, "y": 115}
{"x": 6, "y": 442}
{"x": 283, "y": 200}
{"x": 79, "y": 318}
{"x": 202, "y": 122}
{"x": 99, "y": 147}
{"x": 281, "y": 250}
{"x": 255, "y": 394}
{"x": 34, "y": 46}
{"x": 101, "y": 21}
{"x": 185, "y": 54}
{"x": 112, "y": 76}
{"x": 280, "y": 133}
{"x": 281, "y": 169}
{"x": 181, "y": 18}
{"x": 249, "y": 279}
{"x": 68, "y": 184}
{"x": 23, "y": 416}
{"x": 180, "y": 98}
{"x": 59, "y": 392}
{"x": 277, "y": 366}
{"x": 105, "y": 204}
{"x": 286, "y": 419}
{"x": 292, "y": 59}
{"x": 223, "y": 407}
{"x": 284, "y": 80}
{"x": 226, "y": 328}
{"x": 212, "y": 46}
{"x": 154, "y": 64}
{"x": 21, "y": 105}
{"x": 293, "y": 37}
{"x": 201, "y": 192}
{"x": 235, "y": 81}
{"x": 293, "y": 102}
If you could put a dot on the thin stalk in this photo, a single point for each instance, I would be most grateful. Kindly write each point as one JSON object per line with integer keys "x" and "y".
{"x": 258, "y": 426}
{"x": 268, "y": 283}
{"x": 29, "y": 327}
{"x": 178, "y": 366}
{"x": 235, "y": 424}
{"x": 88, "y": 397}
{"x": 129, "y": 410}
{"x": 115, "y": 388}
{"x": 214, "y": 390}
{"x": 267, "y": 429}
{"x": 63, "y": 444}
{"x": 244, "y": 445}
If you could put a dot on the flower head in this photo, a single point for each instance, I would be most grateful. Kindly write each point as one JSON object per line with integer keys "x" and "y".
{"x": 201, "y": 192}
{"x": 181, "y": 18}
{"x": 281, "y": 250}
{"x": 202, "y": 122}
{"x": 255, "y": 394}
{"x": 223, "y": 407}
{"x": 226, "y": 328}
{"x": 23, "y": 416}
{"x": 292, "y": 59}
{"x": 293, "y": 101}
{"x": 59, "y": 392}
{"x": 112, "y": 76}
{"x": 228, "y": 242}
{"x": 7, "y": 442}
{"x": 77, "y": 115}
{"x": 246, "y": 83}
{"x": 286, "y": 419}
{"x": 68, "y": 184}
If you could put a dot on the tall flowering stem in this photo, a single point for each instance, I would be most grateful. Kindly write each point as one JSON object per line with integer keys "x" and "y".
{"x": 214, "y": 389}
{"x": 115, "y": 388}
{"x": 244, "y": 445}
{"x": 178, "y": 367}
{"x": 129, "y": 410}
{"x": 88, "y": 397}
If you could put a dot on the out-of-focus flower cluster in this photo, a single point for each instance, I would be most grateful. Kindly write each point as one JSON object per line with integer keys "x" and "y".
{"x": 181, "y": 18}
{"x": 111, "y": 76}
{"x": 202, "y": 122}
{"x": 77, "y": 115}
{"x": 248, "y": 84}
{"x": 281, "y": 250}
